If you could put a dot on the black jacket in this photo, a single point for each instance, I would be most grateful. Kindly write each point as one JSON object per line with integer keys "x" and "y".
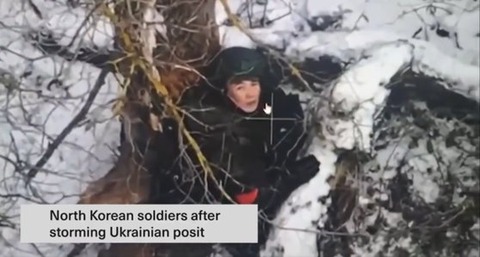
{"x": 258, "y": 151}
{"x": 262, "y": 144}
{"x": 245, "y": 151}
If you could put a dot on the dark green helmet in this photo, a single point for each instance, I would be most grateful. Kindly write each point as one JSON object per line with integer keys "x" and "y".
{"x": 236, "y": 61}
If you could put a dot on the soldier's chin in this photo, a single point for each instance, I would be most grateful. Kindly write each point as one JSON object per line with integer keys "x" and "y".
{"x": 249, "y": 108}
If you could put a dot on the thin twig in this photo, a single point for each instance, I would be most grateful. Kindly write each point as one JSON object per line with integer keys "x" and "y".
{"x": 66, "y": 131}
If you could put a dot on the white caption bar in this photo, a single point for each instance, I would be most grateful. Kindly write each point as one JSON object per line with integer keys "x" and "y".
{"x": 139, "y": 223}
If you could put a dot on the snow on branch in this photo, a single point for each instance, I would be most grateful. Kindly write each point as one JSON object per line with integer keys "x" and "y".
{"x": 361, "y": 90}
{"x": 348, "y": 111}
{"x": 82, "y": 114}
{"x": 456, "y": 76}
{"x": 358, "y": 93}
{"x": 46, "y": 43}
{"x": 425, "y": 58}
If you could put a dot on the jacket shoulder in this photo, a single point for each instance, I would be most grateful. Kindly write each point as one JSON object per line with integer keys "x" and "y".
{"x": 202, "y": 110}
{"x": 287, "y": 102}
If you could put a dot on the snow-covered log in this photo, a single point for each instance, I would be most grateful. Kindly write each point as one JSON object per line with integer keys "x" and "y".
{"x": 348, "y": 112}
{"x": 352, "y": 115}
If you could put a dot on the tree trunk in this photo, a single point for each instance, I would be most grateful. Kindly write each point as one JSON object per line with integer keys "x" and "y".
{"x": 162, "y": 56}
{"x": 186, "y": 45}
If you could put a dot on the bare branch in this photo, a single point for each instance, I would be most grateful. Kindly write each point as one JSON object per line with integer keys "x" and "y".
{"x": 73, "y": 123}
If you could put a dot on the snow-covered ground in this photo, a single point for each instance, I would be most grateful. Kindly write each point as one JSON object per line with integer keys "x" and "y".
{"x": 40, "y": 96}
{"x": 379, "y": 39}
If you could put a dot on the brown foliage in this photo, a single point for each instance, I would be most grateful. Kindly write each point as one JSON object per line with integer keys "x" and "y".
{"x": 345, "y": 187}
{"x": 178, "y": 80}
{"x": 126, "y": 183}
{"x": 188, "y": 43}
{"x": 191, "y": 45}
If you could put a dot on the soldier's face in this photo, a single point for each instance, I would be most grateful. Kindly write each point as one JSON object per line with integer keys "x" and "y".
{"x": 245, "y": 94}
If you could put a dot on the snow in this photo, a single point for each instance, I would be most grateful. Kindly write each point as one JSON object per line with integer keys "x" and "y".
{"x": 428, "y": 165}
{"x": 34, "y": 116}
{"x": 233, "y": 36}
{"x": 379, "y": 39}
{"x": 308, "y": 211}
{"x": 464, "y": 78}
{"x": 379, "y": 48}
{"x": 361, "y": 90}
{"x": 72, "y": 24}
